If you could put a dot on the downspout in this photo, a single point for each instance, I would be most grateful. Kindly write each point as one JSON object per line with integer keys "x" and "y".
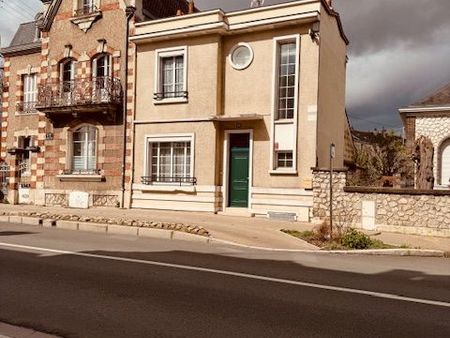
{"x": 129, "y": 13}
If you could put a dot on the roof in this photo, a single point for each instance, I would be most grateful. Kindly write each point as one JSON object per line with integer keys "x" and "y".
{"x": 26, "y": 34}
{"x": 441, "y": 97}
{"x": 165, "y": 8}
{"x": 24, "y": 41}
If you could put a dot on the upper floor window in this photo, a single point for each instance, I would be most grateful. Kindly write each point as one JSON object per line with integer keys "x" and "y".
{"x": 102, "y": 66}
{"x": 29, "y": 88}
{"x": 84, "y": 149}
{"x": 86, "y": 7}
{"x": 67, "y": 74}
{"x": 287, "y": 75}
{"x": 171, "y": 75}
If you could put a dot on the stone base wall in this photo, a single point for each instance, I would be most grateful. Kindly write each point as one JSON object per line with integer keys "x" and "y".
{"x": 397, "y": 210}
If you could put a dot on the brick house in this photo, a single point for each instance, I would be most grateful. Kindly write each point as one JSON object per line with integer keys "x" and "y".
{"x": 63, "y": 126}
{"x": 430, "y": 117}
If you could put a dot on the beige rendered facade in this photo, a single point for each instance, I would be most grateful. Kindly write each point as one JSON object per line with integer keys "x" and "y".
{"x": 232, "y": 110}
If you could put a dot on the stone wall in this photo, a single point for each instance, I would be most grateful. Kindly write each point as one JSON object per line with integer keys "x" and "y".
{"x": 437, "y": 128}
{"x": 381, "y": 209}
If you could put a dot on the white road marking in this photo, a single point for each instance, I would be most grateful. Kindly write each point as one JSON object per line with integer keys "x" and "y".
{"x": 234, "y": 274}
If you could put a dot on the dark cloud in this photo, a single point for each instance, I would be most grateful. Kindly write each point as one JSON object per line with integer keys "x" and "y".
{"x": 399, "y": 52}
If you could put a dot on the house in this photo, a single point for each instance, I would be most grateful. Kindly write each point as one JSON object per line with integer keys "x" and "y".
{"x": 430, "y": 117}
{"x": 63, "y": 121}
{"x": 233, "y": 110}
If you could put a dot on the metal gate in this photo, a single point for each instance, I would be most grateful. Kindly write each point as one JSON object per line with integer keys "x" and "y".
{"x": 4, "y": 180}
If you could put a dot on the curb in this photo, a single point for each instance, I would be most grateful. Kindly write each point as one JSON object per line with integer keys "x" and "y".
{"x": 374, "y": 252}
{"x": 114, "y": 229}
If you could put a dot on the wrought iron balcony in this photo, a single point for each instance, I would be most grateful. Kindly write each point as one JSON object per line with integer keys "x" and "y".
{"x": 100, "y": 94}
{"x": 26, "y": 107}
{"x": 86, "y": 10}
{"x": 148, "y": 180}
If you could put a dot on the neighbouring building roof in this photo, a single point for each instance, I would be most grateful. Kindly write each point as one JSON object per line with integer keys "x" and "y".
{"x": 25, "y": 40}
{"x": 439, "y": 98}
{"x": 165, "y": 8}
{"x": 26, "y": 34}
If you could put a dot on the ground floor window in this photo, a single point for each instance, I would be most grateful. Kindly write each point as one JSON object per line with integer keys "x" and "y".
{"x": 170, "y": 161}
{"x": 285, "y": 159}
{"x": 84, "y": 149}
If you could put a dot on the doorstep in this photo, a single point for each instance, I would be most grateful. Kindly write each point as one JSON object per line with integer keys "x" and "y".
{"x": 237, "y": 212}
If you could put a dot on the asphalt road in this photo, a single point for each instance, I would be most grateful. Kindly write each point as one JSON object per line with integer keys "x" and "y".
{"x": 77, "y": 284}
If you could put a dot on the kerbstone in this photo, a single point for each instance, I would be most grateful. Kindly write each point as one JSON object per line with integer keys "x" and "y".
{"x": 122, "y": 230}
{"x": 155, "y": 233}
{"x": 67, "y": 225}
{"x": 92, "y": 227}
{"x": 31, "y": 220}
{"x": 15, "y": 219}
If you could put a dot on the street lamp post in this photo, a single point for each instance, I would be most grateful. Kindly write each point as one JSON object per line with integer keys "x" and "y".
{"x": 332, "y": 156}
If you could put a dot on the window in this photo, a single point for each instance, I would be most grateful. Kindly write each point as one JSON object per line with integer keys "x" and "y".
{"x": 285, "y": 159}
{"x": 67, "y": 75}
{"x": 241, "y": 56}
{"x": 172, "y": 73}
{"x": 169, "y": 160}
{"x": 286, "y": 80}
{"x": 85, "y": 149}
{"x": 102, "y": 66}
{"x": 86, "y": 7}
{"x": 29, "y": 88}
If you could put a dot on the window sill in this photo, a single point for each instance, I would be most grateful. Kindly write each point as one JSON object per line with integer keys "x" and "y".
{"x": 81, "y": 178}
{"x": 284, "y": 121}
{"x": 165, "y": 188}
{"x": 171, "y": 101}
{"x": 283, "y": 172}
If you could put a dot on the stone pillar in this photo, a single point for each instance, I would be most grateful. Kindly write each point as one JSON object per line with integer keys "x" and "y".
{"x": 321, "y": 192}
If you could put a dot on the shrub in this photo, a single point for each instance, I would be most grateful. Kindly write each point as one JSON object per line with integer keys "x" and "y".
{"x": 354, "y": 239}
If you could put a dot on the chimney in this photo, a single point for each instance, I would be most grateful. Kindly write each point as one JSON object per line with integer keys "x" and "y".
{"x": 191, "y": 7}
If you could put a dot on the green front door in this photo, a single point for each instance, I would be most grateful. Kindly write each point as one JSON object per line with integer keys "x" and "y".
{"x": 239, "y": 170}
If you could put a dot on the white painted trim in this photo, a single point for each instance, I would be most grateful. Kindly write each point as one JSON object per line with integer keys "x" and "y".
{"x": 249, "y": 62}
{"x": 424, "y": 109}
{"x": 168, "y": 52}
{"x": 188, "y": 137}
{"x": 199, "y": 119}
{"x": 226, "y": 165}
{"x": 283, "y": 171}
{"x": 165, "y": 188}
{"x": 199, "y": 188}
{"x": 275, "y": 90}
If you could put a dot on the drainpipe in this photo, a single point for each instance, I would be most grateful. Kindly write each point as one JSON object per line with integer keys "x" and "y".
{"x": 129, "y": 13}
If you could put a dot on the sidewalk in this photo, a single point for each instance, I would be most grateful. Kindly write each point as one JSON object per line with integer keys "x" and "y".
{"x": 255, "y": 232}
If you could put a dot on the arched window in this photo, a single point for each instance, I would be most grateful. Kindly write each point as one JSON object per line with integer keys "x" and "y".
{"x": 101, "y": 66}
{"x": 84, "y": 149}
{"x": 67, "y": 74}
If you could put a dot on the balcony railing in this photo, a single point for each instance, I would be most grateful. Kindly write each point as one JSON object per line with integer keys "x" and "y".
{"x": 26, "y": 107}
{"x": 148, "y": 180}
{"x": 170, "y": 95}
{"x": 86, "y": 10}
{"x": 96, "y": 91}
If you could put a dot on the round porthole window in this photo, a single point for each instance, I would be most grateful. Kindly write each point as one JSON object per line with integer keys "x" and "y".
{"x": 241, "y": 56}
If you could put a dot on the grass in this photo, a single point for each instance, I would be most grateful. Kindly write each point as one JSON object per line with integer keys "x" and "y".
{"x": 316, "y": 238}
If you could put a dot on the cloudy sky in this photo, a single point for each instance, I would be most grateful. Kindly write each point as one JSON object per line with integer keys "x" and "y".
{"x": 399, "y": 51}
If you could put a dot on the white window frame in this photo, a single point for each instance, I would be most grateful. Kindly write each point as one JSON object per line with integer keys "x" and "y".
{"x": 72, "y": 142}
{"x": 275, "y": 90}
{"x": 249, "y": 62}
{"x": 30, "y": 88}
{"x": 170, "y": 52}
{"x": 149, "y": 139}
